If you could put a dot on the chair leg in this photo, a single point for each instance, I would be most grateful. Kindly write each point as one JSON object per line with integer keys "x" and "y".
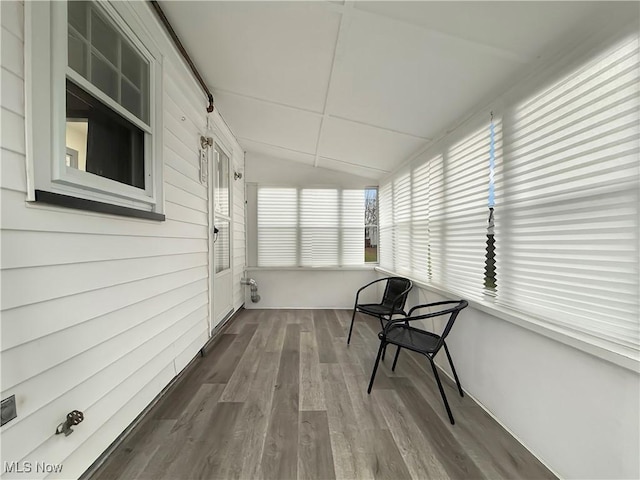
{"x": 453, "y": 369}
{"x": 375, "y": 367}
{"x": 444, "y": 397}
{"x": 353, "y": 317}
{"x": 384, "y": 352}
{"x": 395, "y": 359}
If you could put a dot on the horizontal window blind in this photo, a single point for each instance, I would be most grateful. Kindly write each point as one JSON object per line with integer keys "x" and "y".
{"x": 278, "y": 227}
{"x": 568, "y": 223}
{"x": 566, "y": 207}
{"x": 466, "y": 213}
{"x": 310, "y": 227}
{"x": 402, "y": 223}
{"x": 387, "y": 246}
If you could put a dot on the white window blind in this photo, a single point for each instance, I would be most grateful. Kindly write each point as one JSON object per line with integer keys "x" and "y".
{"x": 567, "y": 222}
{"x": 466, "y": 212}
{"x": 278, "y": 227}
{"x": 420, "y": 222}
{"x": 311, "y": 227}
{"x": 386, "y": 226}
{"x": 402, "y": 223}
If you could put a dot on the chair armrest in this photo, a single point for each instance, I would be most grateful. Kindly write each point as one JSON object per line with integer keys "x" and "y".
{"x": 457, "y": 305}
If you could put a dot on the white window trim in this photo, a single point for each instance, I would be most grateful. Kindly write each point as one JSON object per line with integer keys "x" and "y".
{"x": 46, "y": 72}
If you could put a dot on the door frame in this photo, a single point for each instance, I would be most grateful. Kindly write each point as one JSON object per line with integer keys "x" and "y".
{"x": 216, "y": 278}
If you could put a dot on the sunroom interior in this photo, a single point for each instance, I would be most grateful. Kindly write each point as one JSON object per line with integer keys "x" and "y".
{"x": 193, "y": 193}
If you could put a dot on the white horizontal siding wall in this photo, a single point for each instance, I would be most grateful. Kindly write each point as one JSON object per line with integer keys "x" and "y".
{"x": 239, "y": 238}
{"x": 99, "y": 312}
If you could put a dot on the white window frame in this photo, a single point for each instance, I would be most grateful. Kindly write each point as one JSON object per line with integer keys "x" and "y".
{"x": 46, "y": 73}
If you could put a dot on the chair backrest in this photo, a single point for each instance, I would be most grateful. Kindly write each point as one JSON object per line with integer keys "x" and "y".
{"x": 450, "y": 307}
{"x": 455, "y": 310}
{"x": 396, "y": 292}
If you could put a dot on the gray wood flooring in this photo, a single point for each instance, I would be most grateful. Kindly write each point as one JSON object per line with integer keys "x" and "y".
{"x": 279, "y": 395}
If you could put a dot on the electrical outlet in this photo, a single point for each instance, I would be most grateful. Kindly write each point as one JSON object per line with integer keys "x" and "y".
{"x": 9, "y": 410}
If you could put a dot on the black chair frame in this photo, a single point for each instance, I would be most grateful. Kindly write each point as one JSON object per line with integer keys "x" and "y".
{"x": 431, "y": 351}
{"x": 397, "y": 303}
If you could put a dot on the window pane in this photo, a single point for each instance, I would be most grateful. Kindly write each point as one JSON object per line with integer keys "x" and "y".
{"x": 371, "y": 225}
{"x": 101, "y": 53}
{"x": 104, "y": 38}
{"x": 132, "y": 65}
{"x": 104, "y": 76}
{"x": 221, "y": 246}
{"x": 113, "y": 146}
{"x": 77, "y": 49}
{"x": 131, "y": 98}
{"x": 222, "y": 183}
{"x": 78, "y": 16}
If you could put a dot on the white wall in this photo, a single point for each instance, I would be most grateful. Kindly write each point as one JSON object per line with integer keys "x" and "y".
{"x": 99, "y": 312}
{"x": 279, "y": 172}
{"x": 238, "y": 237}
{"x": 308, "y": 288}
{"x": 579, "y": 414}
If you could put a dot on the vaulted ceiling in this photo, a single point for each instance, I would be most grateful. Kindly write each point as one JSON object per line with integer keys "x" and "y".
{"x": 360, "y": 86}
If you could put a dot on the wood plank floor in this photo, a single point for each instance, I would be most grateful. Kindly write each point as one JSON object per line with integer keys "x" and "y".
{"x": 281, "y": 396}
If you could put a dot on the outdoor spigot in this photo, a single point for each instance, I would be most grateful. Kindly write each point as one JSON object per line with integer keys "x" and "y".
{"x": 73, "y": 418}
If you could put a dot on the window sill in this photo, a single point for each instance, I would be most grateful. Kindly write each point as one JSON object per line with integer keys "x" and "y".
{"x": 314, "y": 269}
{"x": 94, "y": 206}
{"x": 626, "y": 359}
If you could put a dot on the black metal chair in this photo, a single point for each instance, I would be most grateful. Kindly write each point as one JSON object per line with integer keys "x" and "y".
{"x": 399, "y": 332}
{"x": 392, "y": 303}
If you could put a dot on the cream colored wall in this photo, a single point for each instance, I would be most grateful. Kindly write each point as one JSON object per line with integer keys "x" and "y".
{"x": 77, "y": 140}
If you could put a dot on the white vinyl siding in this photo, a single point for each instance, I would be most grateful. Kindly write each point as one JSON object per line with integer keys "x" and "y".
{"x": 99, "y": 312}
{"x": 239, "y": 245}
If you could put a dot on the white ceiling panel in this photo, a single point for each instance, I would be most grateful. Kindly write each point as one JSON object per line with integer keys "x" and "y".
{"x": 274, "y": 151}
{"x": 278, "y": 51}
{"x": 360, "y": 86}
{"x": 409, "y": 79}
{"x": 364, "y": 145}
{"x": 523, "y": 28}
{"x": 270, "y": 123}
{"x": 351, "y": 169}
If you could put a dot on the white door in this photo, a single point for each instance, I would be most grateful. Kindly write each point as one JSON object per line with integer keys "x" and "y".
{"x": 222, "y": 238}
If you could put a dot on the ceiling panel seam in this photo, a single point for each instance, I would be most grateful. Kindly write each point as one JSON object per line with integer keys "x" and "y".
{"x": 345, "y": 21}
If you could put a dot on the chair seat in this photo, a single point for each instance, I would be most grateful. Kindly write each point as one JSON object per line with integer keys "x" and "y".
{"x": 377, "y": 309}
{"x": 412, "y": 338}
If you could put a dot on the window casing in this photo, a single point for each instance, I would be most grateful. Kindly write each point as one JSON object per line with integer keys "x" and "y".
{"x": 67, "y": 61}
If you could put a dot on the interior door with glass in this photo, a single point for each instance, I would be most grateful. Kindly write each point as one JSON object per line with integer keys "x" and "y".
{"x": 222, "y": 274}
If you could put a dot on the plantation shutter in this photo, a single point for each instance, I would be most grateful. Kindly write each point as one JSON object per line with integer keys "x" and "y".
{"x": 567, "y": 226}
